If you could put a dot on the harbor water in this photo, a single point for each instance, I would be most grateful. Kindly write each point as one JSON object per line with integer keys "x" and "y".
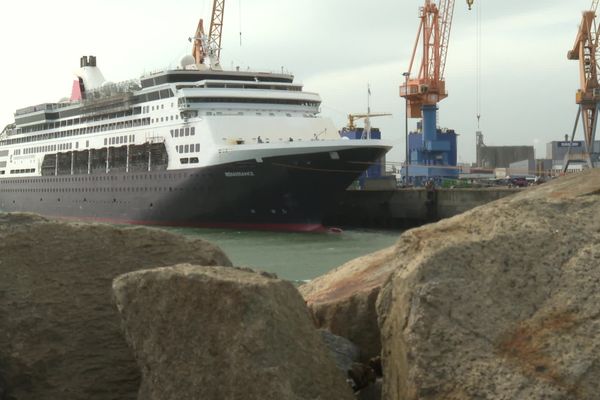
{"x": 294, "y": 256}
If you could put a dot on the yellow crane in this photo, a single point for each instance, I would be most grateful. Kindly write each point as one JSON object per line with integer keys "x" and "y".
{"x": 354, "y": 117}
{"x": 210, "y": 46}
{"x": 585, "y": 50}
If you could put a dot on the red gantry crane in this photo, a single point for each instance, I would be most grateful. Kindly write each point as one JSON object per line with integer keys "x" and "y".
{"x": 588, "y": 95}
{"x": 428, "y": 87}
{"x": 210, "y": 46}
{"x": 425, "y": 90}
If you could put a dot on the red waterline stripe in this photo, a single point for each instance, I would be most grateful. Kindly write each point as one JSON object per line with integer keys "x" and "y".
{"x": 318, "y": 228}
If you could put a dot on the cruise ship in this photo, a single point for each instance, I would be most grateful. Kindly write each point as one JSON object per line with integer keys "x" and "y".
{"x": 181, "y": 147}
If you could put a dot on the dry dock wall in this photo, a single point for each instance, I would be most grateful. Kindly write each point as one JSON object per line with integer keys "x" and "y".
{"x": 403, "y": 208}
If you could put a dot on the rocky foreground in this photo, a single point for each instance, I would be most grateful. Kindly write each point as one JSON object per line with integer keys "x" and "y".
{"x": 498, "y": 303}
{"x": 60, "y": 333}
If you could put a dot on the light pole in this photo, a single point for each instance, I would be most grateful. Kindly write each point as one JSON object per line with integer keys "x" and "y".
{"x": 407, "y": 161}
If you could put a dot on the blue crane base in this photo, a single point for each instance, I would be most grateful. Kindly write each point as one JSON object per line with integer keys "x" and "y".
{"x": 432, "y": 151}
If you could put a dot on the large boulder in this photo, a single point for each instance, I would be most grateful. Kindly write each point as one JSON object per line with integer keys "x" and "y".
{"x": 500, "y": 302}
{"x": 60, "y": 335}
{"x": 343, "y": 300}
{"x": 223, "y": 333}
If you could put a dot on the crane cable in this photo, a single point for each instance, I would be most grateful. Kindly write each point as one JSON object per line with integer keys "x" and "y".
{"x": 478, "y": 47}
{"x": 240, "y": 19}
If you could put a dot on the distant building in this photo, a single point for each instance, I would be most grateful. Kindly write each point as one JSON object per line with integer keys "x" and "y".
{"x": 492, "y": 157}
{"x": 543, "y": 167}
{"x": 521, "y": 168}
{"x": 556, "y": 151}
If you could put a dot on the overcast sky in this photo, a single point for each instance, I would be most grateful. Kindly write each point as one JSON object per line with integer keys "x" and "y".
{"x": 334, "y": 47}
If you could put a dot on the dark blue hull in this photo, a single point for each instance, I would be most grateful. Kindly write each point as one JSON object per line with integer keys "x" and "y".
{"x": 285, "y": 193}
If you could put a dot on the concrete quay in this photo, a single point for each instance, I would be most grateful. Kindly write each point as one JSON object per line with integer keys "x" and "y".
{"x": 409, "y": 207}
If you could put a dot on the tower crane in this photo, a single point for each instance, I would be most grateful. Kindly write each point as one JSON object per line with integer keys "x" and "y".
{"x": 588, "y": 95}
{"x": 210, "y": 46}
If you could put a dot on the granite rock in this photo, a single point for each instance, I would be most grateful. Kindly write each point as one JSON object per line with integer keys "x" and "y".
{"x": 500, "y": 302}
{"x": 60, "y": 333}
{"x": 343, "y": 300}
{"x": 223, "y": 333}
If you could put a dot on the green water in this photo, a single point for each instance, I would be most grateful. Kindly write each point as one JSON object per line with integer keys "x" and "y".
{"x": 294, "y": 256}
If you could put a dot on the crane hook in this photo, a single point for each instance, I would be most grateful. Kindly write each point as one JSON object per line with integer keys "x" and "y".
{"x": 470, "y": 3}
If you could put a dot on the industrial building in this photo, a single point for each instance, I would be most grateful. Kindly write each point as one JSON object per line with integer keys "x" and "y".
{"x": 557, "y": 151}
{"x": 377, "y": 169}
{"x": 492, "y": 157}
{"x": 556, "y": 154}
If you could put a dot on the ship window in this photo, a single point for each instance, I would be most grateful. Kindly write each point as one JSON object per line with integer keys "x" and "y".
{"x": 176, "y": 116}
{"x": 171, "y": 118}
{"x": 176, "y": 132}
{"x": 184, "y": 160}
{"x": 187, "y": 131}
{"x": 197, "y": 147}
{"x": 162, "y": 106}
{"x": 105, "y": 141}
{"x": 172, "y": 133}
{"x": 194, "y": 160}
{"x": 193, "y": 131}
{"x": 187, "y": 149}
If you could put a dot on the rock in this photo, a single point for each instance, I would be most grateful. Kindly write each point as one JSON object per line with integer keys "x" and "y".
{"x": 371, "y": 392}
{"x": 343, "y": 351}
{"x": 223, "y": 333}
{"x": 362, "y": 375}
{"x": 500, "y": 302}
{"x": 60, "y": 335}
{"x": 375, "y": 364}
{"x": 343, "y": 300}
